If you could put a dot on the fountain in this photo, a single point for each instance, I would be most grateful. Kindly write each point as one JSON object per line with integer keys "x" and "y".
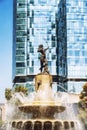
{"x": 43, "y": 112}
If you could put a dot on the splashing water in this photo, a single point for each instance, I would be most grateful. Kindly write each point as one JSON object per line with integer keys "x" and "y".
{"x": 66, "y": 99}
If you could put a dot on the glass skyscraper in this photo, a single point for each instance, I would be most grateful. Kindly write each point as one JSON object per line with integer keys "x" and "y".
{"x": 73, "y": 14}
{"x": 35, "y": 23}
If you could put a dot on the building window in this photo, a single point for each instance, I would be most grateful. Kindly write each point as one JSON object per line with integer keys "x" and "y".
{"x": 21, "y": 15}
{"x": 53, "y": 43}
{"x": 31, "y": 50}
{"x": 31, "y": 70}
{"x": 20, "y": 45}
{"x": 20, "y": 58}
{"x": 19, "y": 21}
{"x": 53, "y": 38}
{"x": 53, "y": 57}
{"x": 31, "y": 1}
{"x": 22, "y": 64}
{"x": 20, "y": 39}
{"x": 20, "y": 71}
{"x": 53, "y": 25}
{"x": 32, "y": 63}
{"x": 21, "y": 33}
{"x": 19, "y": 27}
{"x": 20, "y": 52}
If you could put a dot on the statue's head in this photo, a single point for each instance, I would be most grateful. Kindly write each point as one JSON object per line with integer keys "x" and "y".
{"x": 40, "y": 47}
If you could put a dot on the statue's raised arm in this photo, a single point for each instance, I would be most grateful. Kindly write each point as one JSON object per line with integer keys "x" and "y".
{"x": 43, "y": 60}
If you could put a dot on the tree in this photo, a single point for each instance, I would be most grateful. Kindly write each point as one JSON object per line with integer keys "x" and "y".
{"x": 8, "y": 93}
{"x": 83, "y": 97}
{"x": 83, "y": 104}
{"x": 21, "y": 89}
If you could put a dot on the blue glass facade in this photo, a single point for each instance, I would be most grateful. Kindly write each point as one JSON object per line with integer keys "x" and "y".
{"x": 34, "y": 24}
{"x": 76, "y": 26}
{"x": 62, "y": 45}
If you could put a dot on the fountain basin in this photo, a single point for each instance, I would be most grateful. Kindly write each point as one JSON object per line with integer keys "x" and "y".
{"x": 45, "y": 124}
{"x": 42, "y": 110}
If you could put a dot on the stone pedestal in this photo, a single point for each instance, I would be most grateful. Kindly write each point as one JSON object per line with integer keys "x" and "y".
{"x": 42, "y": 81}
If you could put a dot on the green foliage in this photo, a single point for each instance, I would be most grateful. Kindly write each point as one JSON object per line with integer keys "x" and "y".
{"x": 85, "y": 87}
{"x": 83, "y": 97}
{"x": 18, "y": 102}
{"x": 83, "y": 104}
{"x": 83, "y": 116}
{"x": 8, "y": 93}
{"x": 21, "y": 89}
{"x": 1, "y": 122}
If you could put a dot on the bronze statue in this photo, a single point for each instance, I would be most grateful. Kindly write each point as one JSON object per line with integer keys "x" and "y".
{"x": 43, "y": 60}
